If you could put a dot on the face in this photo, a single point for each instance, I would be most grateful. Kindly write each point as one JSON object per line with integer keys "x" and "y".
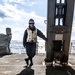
{"x": 31, "y": 25}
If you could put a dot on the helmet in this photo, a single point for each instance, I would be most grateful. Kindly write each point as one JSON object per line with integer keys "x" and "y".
{"x": 31, "y": 21}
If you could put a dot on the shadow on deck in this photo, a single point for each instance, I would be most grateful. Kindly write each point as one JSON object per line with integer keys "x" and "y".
{"x": 1, "y": 55}
{"x": 57, "y": 70}
{"x": 26, "y": 71}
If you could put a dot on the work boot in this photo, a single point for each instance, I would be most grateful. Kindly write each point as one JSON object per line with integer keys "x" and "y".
{"x": 31, "y": 64}
{"x": 27, "y": 61}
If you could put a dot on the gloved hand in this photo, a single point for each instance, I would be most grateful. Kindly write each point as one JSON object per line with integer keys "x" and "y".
{"x": 24, "y": 45}
{"x": 46, "y": 39}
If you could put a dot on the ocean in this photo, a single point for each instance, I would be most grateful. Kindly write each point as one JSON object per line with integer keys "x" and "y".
{"x": 17, "y": 47}
{"x": 72, "y": 47}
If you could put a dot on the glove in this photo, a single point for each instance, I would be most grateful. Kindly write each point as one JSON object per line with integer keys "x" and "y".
{"x": 24, "y": 45}
{"x": 46, "y": 39}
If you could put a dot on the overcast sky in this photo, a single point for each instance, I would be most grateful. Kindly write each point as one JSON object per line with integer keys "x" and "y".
{"x": 16, "y": 14}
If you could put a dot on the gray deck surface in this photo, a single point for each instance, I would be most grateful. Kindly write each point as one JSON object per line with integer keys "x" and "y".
{"x": 14, "y": 65}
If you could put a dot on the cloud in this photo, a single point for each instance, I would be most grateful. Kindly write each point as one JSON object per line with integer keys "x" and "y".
{"x": 23, "y": 2}
{"x": 16, "y": 15}
{"x": 10, "y": 11}
{"x": 2, "y": 14}
{"x": 18, "y": 19}
{"x": 73, "y": 30}
{"x": 30, "y": 3}
{"x": 0, "y": 19}
{"x": 17, "y": 1}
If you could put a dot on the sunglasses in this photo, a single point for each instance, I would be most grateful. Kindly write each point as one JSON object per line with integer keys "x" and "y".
{"x": 31, "y": 23}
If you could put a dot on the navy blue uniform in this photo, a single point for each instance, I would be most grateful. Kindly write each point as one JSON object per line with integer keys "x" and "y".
{"x": 31, "y": 46}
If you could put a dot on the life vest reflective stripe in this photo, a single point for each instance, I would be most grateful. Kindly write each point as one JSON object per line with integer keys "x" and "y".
{"x": 32, "y": 35}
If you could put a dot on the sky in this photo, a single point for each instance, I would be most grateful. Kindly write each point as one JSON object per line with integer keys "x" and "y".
{"x": 15, "y": 14}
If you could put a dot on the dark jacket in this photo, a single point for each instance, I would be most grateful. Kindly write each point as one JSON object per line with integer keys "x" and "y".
{"x": 39, "y": 33}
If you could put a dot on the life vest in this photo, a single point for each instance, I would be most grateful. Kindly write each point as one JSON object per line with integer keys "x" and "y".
{"x": 32, "y": 35}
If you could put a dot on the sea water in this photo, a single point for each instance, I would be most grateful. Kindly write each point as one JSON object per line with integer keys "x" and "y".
{"x": 17, "y": 47}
